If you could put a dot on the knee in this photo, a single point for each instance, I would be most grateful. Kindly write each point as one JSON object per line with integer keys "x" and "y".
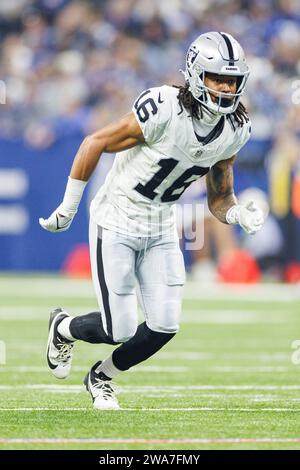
{"x": 87, "y": 327}
{"x": 125, "y": 334}
{"x": 171, "y": 329}
{"x": 166, "y": 318}
{"x": 167, "y": 321}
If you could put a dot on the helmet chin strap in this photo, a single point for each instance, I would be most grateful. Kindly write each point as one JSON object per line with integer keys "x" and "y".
{"x": 208, "y": 97}
{"x": 222, "y": 101}
{"x": 225, "y": 102}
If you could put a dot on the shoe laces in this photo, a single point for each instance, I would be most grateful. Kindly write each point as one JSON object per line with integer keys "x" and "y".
{"x": 106, "y": 388}
{"x": 64, "y": 351}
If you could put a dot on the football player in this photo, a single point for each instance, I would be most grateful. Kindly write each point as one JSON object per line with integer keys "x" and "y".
{"x": 172, "y": 136}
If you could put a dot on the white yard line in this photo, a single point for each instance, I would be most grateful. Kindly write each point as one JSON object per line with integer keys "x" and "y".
{"x": 189, "y": 315}
{"x": 204, "y": 356}
{"x": 151, "y": 369}
{"x": 233, "y": 316}
{"x": 62, "y": 287}
{"x": 165, "y": 369}
{"x": 192, "y": 409}
{"x": 254, "y": 356}
{"x": 234, "y": 440}
{"x": 247, "y": 369}
{"x": 259, "y": 292}
{"x": 45, "y": 409}
{"x": 155, "y": 392}
{"x": 158, "y": 388}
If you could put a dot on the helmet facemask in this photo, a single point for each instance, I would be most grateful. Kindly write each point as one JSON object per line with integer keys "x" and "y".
{"x": 225, "y": 103}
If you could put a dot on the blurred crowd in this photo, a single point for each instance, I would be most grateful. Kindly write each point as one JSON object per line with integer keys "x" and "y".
{"x": 78, "y": 64}
{"x": 73, "y": 66}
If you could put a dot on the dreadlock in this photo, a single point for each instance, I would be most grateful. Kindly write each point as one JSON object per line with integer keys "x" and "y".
{"x": 187, "y": 101}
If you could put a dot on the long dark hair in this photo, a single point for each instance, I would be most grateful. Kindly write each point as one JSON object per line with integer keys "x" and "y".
{"x": 187, "y": 101}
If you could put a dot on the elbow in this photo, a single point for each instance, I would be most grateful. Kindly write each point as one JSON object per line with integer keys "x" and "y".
{"x": 92, "y": 145}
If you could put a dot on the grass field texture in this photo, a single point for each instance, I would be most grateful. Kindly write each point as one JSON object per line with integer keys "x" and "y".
{"x": 226, "y": 381}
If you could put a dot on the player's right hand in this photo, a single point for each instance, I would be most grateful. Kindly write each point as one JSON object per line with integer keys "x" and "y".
{"x": 59, "y": 221}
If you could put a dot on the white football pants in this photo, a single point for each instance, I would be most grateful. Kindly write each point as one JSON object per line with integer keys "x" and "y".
{"x": 124, "y": 268}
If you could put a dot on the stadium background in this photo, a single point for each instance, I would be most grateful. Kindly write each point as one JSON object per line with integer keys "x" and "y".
{"x": 71, "y": 67}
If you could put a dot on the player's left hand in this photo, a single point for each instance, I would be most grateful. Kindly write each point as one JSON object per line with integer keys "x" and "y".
{"x": 59, "y": 221}
{"x": 250, "y": 217}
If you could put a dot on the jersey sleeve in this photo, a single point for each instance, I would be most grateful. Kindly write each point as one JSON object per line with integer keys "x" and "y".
{"x": 153, "y": 111}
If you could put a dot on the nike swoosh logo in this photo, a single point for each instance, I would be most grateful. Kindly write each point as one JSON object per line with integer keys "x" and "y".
{"x": 159, "y": 98}
{"x": 91, "y": 387}
{"x": 55, "y": 317}
{"x": 52, "y": 366}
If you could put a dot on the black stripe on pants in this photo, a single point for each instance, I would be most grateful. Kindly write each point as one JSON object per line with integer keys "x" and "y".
{"x": 103, "y": 287}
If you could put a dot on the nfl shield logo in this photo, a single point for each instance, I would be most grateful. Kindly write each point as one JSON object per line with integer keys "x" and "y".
{"x": 198, "y": 154}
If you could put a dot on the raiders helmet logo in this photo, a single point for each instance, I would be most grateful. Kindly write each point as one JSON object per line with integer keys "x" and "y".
{"x": 191, "y": 56}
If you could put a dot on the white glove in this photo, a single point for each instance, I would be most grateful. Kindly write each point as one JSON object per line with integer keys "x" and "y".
{"x": 61, "y": 219}
{"x": 249, "y": 217}
{"x": 58, "y": 221}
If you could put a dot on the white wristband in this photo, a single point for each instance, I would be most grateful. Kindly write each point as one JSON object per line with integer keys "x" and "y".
{"x": 72, "y": 197}
{"x": 232, "y": 215}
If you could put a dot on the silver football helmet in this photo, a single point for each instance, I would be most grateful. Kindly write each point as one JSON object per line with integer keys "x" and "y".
{"x": 221, "y": 54}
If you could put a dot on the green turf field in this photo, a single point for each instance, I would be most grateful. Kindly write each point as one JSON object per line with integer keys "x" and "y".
{"x": 226, "y": 381}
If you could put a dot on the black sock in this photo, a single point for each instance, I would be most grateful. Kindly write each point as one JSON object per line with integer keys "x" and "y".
{"x": 140, "y": 347}
{"x": 89, "y": 328}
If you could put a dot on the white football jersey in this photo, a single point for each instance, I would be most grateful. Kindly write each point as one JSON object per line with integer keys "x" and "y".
{"x": 139, "y": 194}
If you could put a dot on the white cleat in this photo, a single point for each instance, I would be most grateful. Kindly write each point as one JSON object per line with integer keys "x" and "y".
{"x": 59, "y": 350}
{"x": 101, "y": 391}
